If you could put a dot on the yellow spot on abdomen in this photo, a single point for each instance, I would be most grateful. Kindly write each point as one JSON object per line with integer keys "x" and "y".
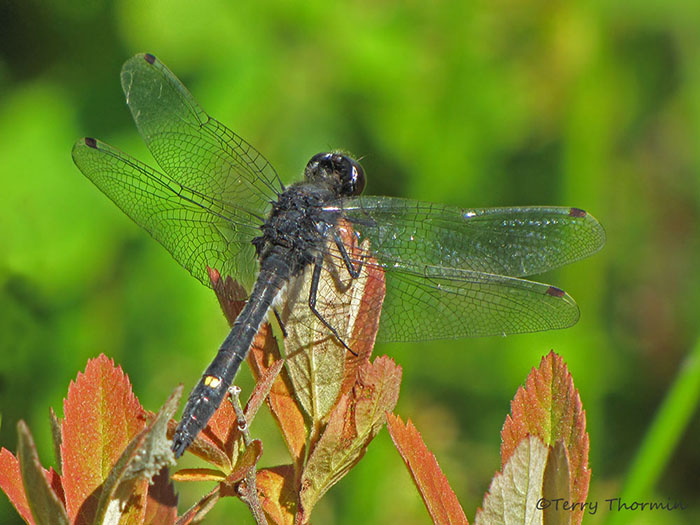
{"x": 212, "y": 381}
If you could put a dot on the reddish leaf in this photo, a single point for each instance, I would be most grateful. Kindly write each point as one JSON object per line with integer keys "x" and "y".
{"x": 263, "y": 386}
{"x": 364, "y": 331}
{"x": 207, "y": 447}
{"x": 352, "y": 424}
{"x": 101, "y": 417}
{"x": 276, "y": 487}
{"x": 283, "y": 405}
{"x": 438, "y": 496}
{"x": 231, "y": 294}
{"x": 262, "y": 357}
{"x": 549, "y": 407}
{"x": 514, "y": 493}
{"x": 46, "y": 506}
{"x": 11, "y": 484}
{"x": 199, "y": 474}
{"x": 246, "y": 462}
{"x": 222, "y": 432}
{"x": 161, "y": 505}
{"x": 123, "y": 495}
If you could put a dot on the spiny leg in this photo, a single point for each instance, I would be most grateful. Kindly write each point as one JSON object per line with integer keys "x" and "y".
{"x": 315, "y": 278}
{"x": 354, "y": 272}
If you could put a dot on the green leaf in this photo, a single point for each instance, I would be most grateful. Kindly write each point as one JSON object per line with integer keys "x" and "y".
{"x": 45, "y": 504}
{"x": 556, "y": 486}
{"x": 57, "y": 437}
{"x": 353, "y": 423}
{"x": 514, "y": 492}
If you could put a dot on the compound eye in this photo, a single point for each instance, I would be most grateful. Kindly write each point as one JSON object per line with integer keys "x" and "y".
{"x": 324, "y": 159}
{"x": 339, "y": 170}
{"x": 353, "y": 178}
{"x": 319, "y": 166}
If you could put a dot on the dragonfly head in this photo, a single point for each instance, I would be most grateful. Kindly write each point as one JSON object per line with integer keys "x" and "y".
{"x": 342, "y": 173}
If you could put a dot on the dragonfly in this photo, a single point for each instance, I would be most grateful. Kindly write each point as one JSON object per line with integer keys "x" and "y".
{"x": 216, "y": 202}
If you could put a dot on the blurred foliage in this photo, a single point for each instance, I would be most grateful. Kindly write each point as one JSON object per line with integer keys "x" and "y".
{"x": 590, "y": 104}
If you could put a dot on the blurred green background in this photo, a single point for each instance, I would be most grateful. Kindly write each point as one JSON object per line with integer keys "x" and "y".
{"x": 588, "y": 104}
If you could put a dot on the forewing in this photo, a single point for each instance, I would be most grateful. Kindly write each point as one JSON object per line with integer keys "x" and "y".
{"x": 506, "y": 241}
{"x": 453, "y": 272}
{"x": 193, "y": 148}
{"x": 197, "y": 230}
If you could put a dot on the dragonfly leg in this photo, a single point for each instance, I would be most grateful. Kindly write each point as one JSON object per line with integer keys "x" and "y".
{"x": 354, "y": 272}
{"x": 315, "y": 277}
{"x": 280, "y": 322}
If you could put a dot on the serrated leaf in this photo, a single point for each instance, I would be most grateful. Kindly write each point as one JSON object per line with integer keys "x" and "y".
{"x": 161, "y": 504}
{"x": 45, "y": 505}
{"x": 438, "y": 496}
{"x": 319, "y": 367}
{"x": 513, "y": 494}
{"x": 101, "y": 417}
{"x": 123, "y": 495}
{"x": 353, "y": 423}
{"x": 550, "y": 408}
{"x": 12, "y": 486}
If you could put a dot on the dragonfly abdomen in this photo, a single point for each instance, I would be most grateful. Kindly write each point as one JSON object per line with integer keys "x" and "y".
{"x": 209, "y": 392}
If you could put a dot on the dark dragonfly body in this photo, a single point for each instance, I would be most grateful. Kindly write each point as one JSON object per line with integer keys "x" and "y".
{"x": 217, "y": 202}
{"x": 293, "y": 238}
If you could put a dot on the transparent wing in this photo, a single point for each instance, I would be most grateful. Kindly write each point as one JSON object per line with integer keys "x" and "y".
{"x": 452, "y": 273}
{"x": 193, "y": 148}
{"x": 198, "y": 230}
{"x": 439, "y": 303}
{"x": 505, "y": 241}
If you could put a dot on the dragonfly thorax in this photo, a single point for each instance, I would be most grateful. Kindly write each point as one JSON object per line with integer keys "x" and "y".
{"x": 297, "y": 225}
